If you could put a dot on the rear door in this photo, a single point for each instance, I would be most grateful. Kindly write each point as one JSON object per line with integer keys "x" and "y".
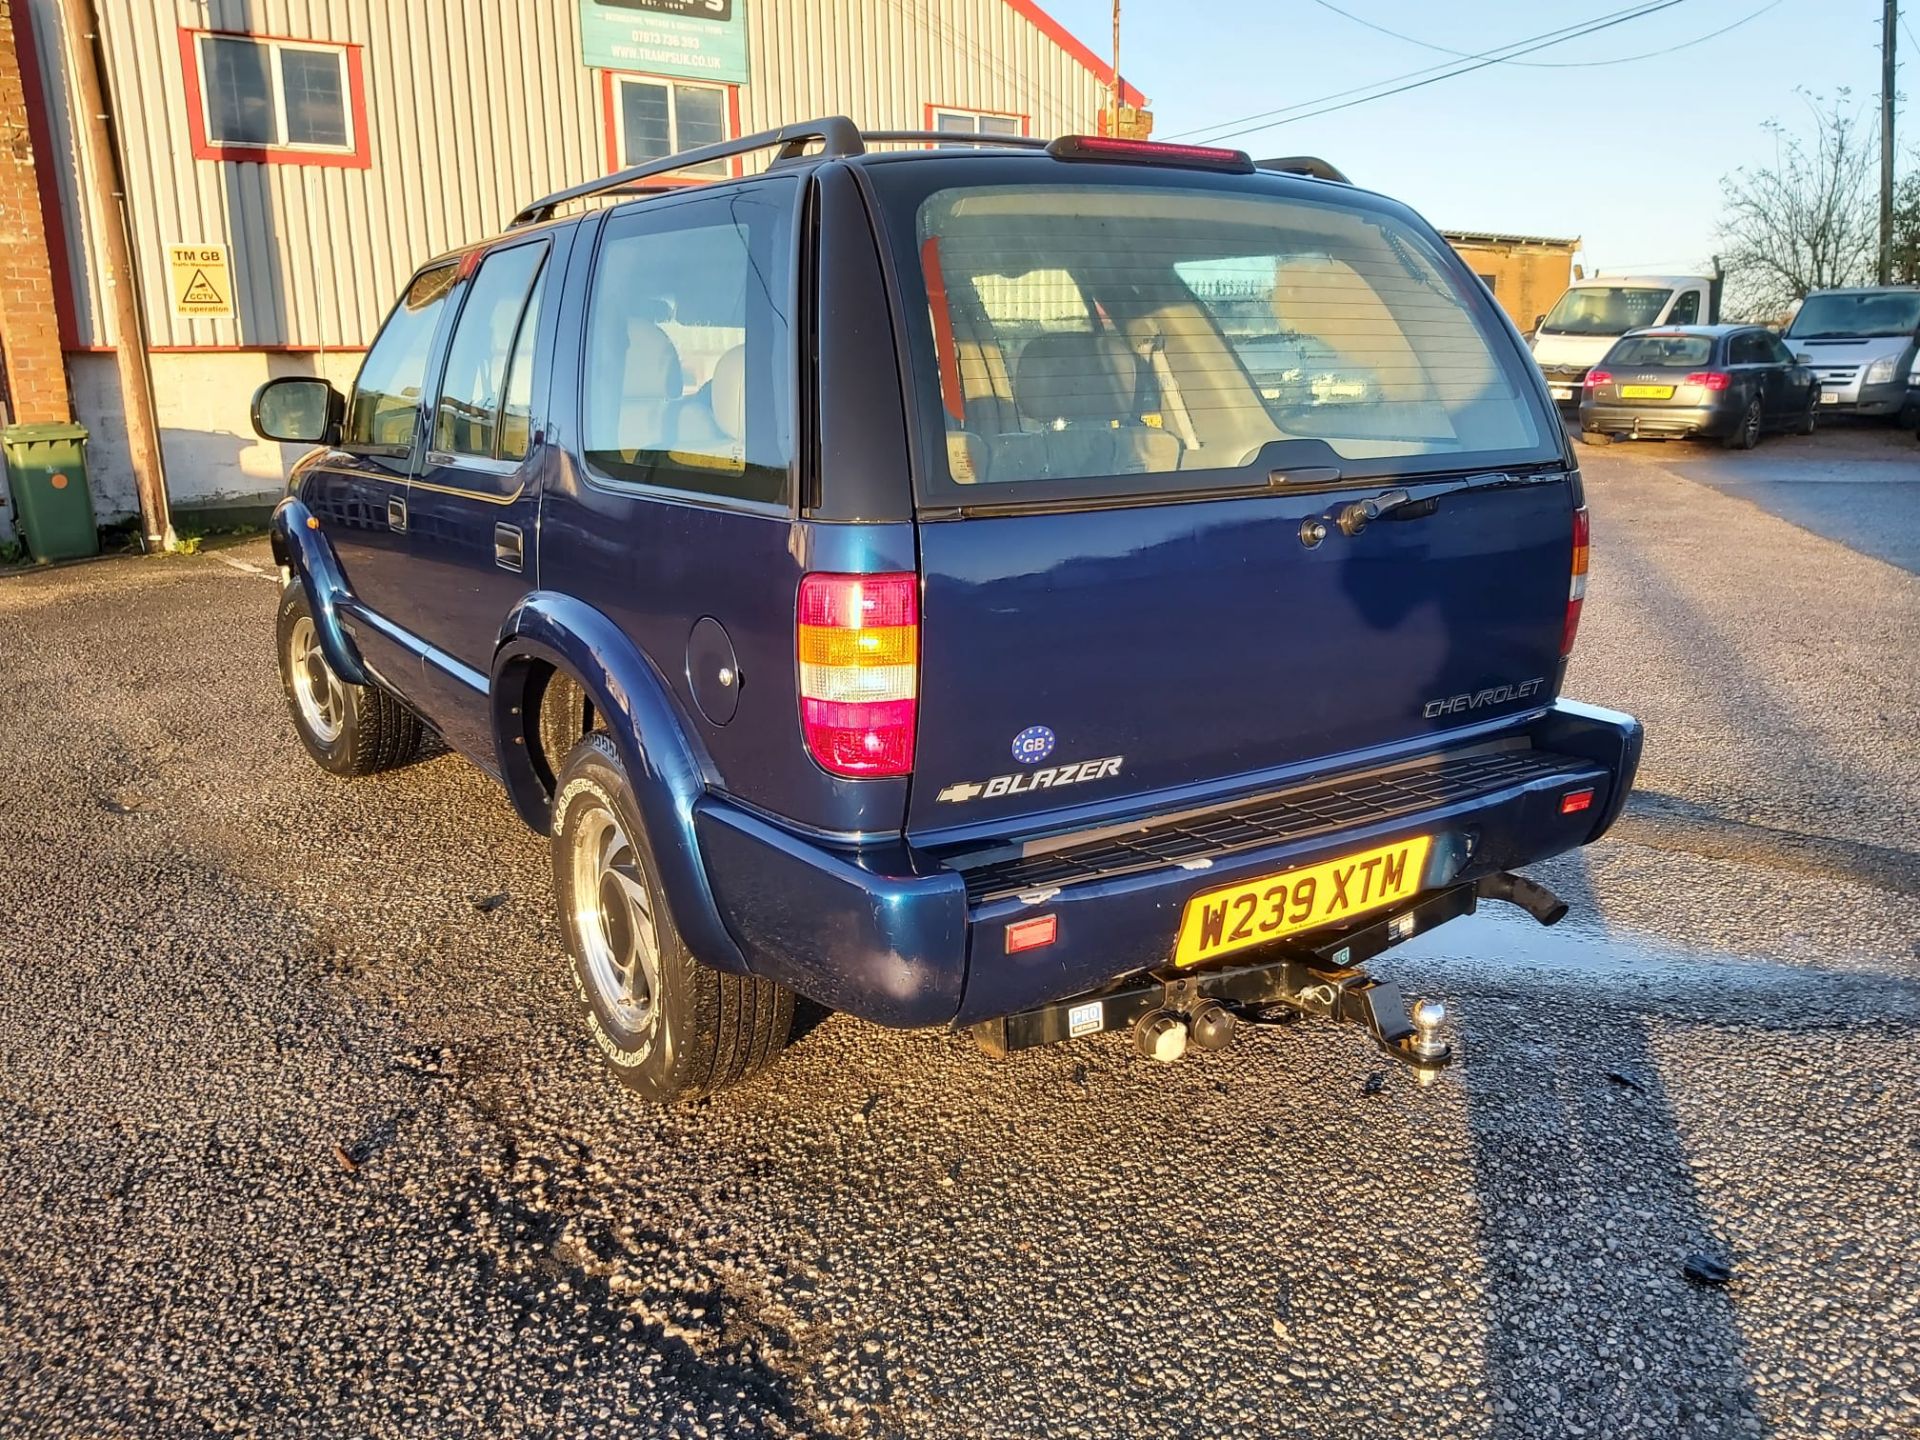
{"x": 1157, "y": 401}
{"x": 474, "y": 503}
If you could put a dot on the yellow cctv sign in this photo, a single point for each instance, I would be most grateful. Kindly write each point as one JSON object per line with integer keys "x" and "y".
{"x": 202, "y": 282}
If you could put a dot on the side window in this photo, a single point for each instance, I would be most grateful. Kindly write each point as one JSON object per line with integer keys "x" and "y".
{"x": 1781, "y": 354}
{"x": 516, "y": 414}
{"x": 688, "y": 374}
{"x": 468, "y": 420}
{"x": 1686, "y": 310}
{"x": 1748, "y": 349}
{"x": 387, "y": 392}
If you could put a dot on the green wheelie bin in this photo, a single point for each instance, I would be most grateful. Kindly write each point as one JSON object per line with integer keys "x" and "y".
{"x": 47, "y": 473}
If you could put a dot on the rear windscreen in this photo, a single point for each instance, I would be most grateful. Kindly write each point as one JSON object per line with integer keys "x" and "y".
{"x": 1081, "y": 331}
{"x": 1661, "y": 350}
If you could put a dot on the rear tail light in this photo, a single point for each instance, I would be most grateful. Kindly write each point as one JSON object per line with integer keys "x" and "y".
{"x": 1577, "y": 587}
{"x": 1709, "y": 379}
{"x": 1596, "y": 378}
{"x": 859, "y": 645}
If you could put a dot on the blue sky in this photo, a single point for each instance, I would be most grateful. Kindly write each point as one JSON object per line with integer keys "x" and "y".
{"x": 1504, "y": 148}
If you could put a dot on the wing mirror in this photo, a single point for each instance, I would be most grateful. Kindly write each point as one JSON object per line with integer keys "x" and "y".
{"x": 301, "y": 409}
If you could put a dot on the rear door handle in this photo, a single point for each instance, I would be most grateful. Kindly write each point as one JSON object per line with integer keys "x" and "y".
{"x": 509, "y": 547}
{"x": 397, "y": 514}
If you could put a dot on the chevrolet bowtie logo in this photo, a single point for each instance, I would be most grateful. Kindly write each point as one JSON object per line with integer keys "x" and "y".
{"x": 959, "y": 792}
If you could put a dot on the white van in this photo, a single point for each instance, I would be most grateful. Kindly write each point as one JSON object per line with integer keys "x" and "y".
{"x": 1569, "y": 339}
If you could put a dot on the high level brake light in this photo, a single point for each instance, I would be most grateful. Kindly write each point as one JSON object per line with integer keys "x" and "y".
{"x": 1577, "y": 587}
{"x": 859, "y": 647}
{"x": 1151, "y": 152}
{"x": 1709, "y": 379}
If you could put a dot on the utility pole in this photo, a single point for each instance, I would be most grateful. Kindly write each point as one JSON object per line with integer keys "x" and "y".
{"x": 119, "y": 278}
{"x": 1889, "y": 22}
{"x": 1113, "y": 89}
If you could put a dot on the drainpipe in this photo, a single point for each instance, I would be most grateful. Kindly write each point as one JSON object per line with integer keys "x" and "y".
{"x": 106, "y": 184}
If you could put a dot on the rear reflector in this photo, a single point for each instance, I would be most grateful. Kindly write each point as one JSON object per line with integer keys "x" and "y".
{"x": 1574, "y": 801}
{"x": 1577, "y": 586}
{"x": 1032, "y": 934}
{"x": 859, "y": 650}
{"x": 1150, "y": 152}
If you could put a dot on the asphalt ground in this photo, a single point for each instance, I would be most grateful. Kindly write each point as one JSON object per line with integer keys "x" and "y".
{"x": 1855, "y": 481}
{"x": 298, "y": 1134}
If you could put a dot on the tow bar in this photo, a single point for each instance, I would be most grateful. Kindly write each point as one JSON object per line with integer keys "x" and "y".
{"x": 1168, "y": 1009}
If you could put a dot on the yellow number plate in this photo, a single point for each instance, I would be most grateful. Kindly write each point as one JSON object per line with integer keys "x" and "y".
{"x": 1219, "y": 922}
{"x": 1646, "y": 392}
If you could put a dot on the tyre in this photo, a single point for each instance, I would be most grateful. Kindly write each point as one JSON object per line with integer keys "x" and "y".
{"x": 668, "y": 1026}
{"x": 1810, "y": 421}
{"x": 1746, "y": 434}
{"x": 347, "y": 729}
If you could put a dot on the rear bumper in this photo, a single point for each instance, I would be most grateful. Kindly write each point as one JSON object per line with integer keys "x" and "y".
{"x": 1664, "y": 421}
{"x": 908, "y": 939}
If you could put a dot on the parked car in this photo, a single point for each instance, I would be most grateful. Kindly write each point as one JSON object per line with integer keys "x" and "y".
{"x": 1593, "y": 312}
{"x": 881, "y": 579}
{"x": 1861, "y": 344}
{"x": 1730, "y": 383}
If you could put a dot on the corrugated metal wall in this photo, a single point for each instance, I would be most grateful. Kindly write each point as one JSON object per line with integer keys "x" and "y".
{"x": 475, "y": 107}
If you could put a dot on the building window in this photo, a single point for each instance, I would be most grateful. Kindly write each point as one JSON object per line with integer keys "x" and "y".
{"x": 1490, "y": 281}
{"x": 951, "y": 121}
{"x": 258, "y": 98}
{"x": 650, "y": 119}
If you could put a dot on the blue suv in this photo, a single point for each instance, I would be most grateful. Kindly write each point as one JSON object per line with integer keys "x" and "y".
{"x": 1035, "y": 588}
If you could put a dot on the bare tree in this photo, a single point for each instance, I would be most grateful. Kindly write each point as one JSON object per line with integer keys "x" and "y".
{"x": 1906, "y": 228}
{"x": 1807, "y": 222}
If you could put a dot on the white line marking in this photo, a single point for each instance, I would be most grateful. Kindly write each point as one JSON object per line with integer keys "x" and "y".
{"x": 246, "y": 565}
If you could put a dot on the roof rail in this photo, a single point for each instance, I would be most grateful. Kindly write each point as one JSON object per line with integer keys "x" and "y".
{"x": 836, "y": 133}
{"x": 1311, "y": 165}
{"x": 945, "y": 137}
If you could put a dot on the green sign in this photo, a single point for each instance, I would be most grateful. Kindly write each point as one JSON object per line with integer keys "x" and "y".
{"x": 700, "y": 39}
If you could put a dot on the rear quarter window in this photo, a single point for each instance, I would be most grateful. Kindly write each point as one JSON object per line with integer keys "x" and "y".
{"x": 1160, "y": 336}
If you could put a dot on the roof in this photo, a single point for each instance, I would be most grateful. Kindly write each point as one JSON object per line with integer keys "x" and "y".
{"x": 1083, "y": 55}
{"x": 1670, "y": 281}
{"x": 1709, "y": 331}
{"x": 1863, "y": 290}
{"x": 1495, "y": 237}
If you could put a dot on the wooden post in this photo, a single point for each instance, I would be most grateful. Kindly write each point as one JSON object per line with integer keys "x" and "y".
{"x": 119, "y": 279}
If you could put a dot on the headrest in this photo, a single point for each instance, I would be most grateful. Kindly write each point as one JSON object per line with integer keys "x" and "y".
{"x": 1076, "y": 377}
{"x": 729, "y": 392}
{"x": 652, "y": 369}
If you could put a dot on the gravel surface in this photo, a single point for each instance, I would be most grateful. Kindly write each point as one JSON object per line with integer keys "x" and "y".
{"x": 296, "y": 1139}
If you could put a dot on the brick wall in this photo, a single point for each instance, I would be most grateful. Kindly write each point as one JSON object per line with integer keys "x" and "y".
{"x": 36, "y": 376}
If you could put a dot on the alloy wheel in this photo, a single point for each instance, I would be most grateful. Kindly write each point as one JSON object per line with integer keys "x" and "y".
{"x": 613, "y": 920}
{"x": 316, "y": 689}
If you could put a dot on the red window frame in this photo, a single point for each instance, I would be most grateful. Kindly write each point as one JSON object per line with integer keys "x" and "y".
{"x": 610, "y": 121}
{"x": 360, "y": 157}
{"x": 933, "y": 108}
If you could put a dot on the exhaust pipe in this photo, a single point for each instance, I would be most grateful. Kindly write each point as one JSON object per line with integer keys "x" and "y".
{"x": 1538, "y": 901}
